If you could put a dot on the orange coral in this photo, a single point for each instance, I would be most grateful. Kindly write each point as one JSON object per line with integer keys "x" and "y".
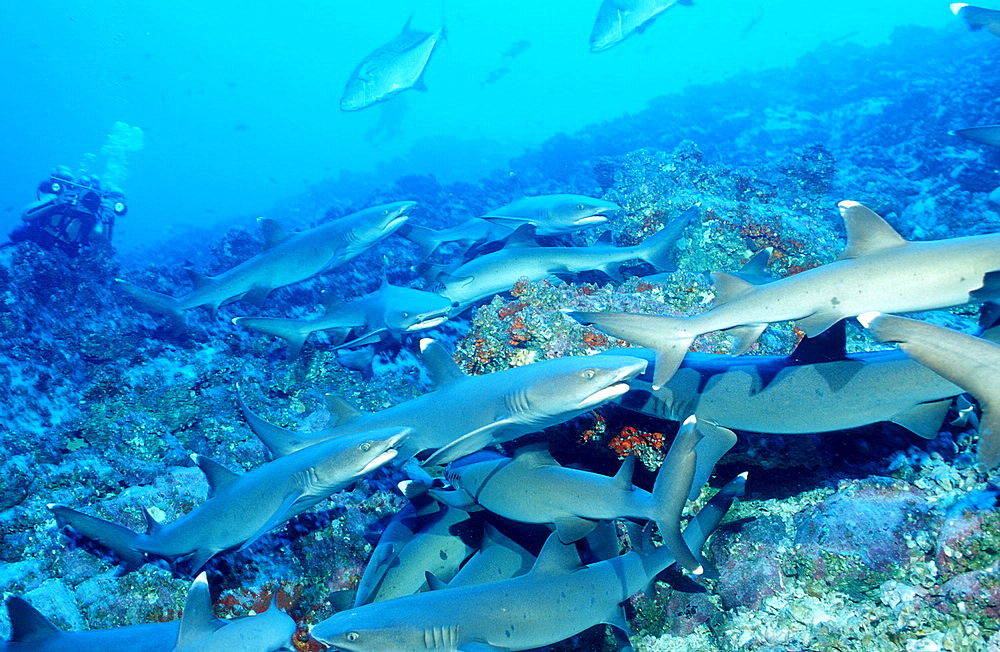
{"x": 632, "y": 438}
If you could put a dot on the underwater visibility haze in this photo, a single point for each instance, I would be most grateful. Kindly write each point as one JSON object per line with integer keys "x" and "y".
{"x": 474, "y": 327}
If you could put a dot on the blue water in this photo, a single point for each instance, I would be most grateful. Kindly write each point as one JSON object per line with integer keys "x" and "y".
{"x": 239, "y": 101}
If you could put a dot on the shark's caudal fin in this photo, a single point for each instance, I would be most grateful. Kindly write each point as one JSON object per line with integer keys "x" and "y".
{"x": 668, "y": 335}
{"x": 27, "y": 624}
{"x": 118, "y": 538}
{"x": 290, "y": 330}
{"x": 658, "y": 249}
{"x": 161, "y": 303}
{"x": 427, "y": 239}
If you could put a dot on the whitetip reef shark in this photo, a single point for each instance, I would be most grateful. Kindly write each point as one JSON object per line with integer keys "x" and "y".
{"x": 242, "y": 508}
{"x": 197, "y": 630}
{"x": 466, "y": 413}
{"x": 978, "y": 17}
{"x": 619, "y": 19}
{"x": 391, "y": 68}
{"x": 553, "y": 214}
{"x": 819, "y": 387}
{"x": 558, "y": 598}
{"x": 521, "y": 257}
{"x": 972, "y": 363}
{"x": 878, "y": 270}
{"x": 386, "y": 313}
{"x": 288, "y": 257}
{"x": 532, "y": 487}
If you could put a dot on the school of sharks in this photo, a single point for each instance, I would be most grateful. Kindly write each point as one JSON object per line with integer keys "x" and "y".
{"x": 500, "y": 546}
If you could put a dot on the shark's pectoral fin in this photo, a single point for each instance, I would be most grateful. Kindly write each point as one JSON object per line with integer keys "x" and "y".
{"x": 571, "y": 529}
{"x": 27, "y": 624}
{"x": 457, "y": 499}
{"x": 990, "y": 291}
{"x": 479, "y": 646}
{"x": 279, "y": 516}
{"x": 197, "y": 559}
{"x": 371, "y": 337}
{"x": 618, "y": 622}
{"x": 256, "y": 295}
{"x": 467, "y": 444}
{"x": 434, "y": 583}
{"x": 745, "y": 336}
{"x": 818, "y": 322}
{"x": 924, "y": 419}
{"x": 198, "y": 620}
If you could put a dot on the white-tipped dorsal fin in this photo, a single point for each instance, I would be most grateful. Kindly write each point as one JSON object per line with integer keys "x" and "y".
{"x": 623, "y": 478}
{"x": 273, "y": 232}
{"x": 27, "y": 624}
{"x": 957, "y": 7}
{"x": 867, "y": 317}
{"x": 219, "y": 477}
{"x": 867, "y": 232}
{"x": 535, "y": 455}
{"x": 557, "y": 558}
{"x": 728, "y": 287}
{"x": 342, "y": 409}
{"x": 442, "y": 367}
{"x": 198, "y": 620}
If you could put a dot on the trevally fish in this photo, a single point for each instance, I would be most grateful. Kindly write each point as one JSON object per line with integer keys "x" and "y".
{"x": 391, "y": 68}
{"x": 878, "y": 270}
{"x": 619, "y": 19}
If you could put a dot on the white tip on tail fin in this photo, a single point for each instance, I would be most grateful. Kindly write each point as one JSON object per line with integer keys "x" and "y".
{"x": 868, "y": 317}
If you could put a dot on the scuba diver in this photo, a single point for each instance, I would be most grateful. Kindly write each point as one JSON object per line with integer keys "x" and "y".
{"x": 70, "y": 213}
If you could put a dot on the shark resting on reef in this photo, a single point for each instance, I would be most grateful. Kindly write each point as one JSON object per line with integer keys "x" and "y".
{"x": 288, "y": 257}
{"x": 819, "y": 387}
{"x": 970, "y": 362}
{"x": 879, "y": 270}
{"x": 558, "y": 598}
{"x": 532, "y": 487}
{"x": 197, "y": 630}
{"x": 521, "y": 257}
{"x": 385, "y": 313}
{"x": 466, "y": 413}
{"x": 243, "y": 508}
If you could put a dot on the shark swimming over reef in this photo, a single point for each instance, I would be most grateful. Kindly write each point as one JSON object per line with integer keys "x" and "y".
{"x": 558, "y": 598}
{"x": 391, "y": 68}
{"x": 987, "y": 134}
{"x": 619, "y": 19}
{"x": 978, "y": 17}
{"x": 467, "y": 234}
{"x": 466, "y": 413}
{"x": 288, "y": 257}
{"x": 197, "y": 630}
{"x": 818, "y": 388}
{"x": 970, "y": 362}
{"x": 242, "y": 508}
{"x": 878, "y": 270}
{"x": 532, "y": 487}
{"x": 553, "y": 214}
{"x": 385, "y": 313}
{"x": 521, "y": 257}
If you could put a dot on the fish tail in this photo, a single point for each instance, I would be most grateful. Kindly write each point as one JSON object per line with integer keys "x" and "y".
{"x": 118, "y": 538}
{"x": 658, "y": 249}
{"x": 427, "y": 239}
{"x": 670, "y": 493}
{"x": 670, "y": 336}
{"x": 289, "y": 330}
{"x": 161, "y": 303}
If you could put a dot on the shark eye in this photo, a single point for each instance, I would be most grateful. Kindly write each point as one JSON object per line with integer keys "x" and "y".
{"x": 581, "y": 207}
{"x": 588, "y": 374}
{"x": 406, "y": 315}
{"x": 352, "y": 636}
{"x": 365, "y": 447}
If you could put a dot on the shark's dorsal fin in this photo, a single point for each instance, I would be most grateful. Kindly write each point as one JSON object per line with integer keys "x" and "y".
{"x": 273, "y": 232}
{"x": 341, "y": 408}
{"x": 924, "y": 419}
{"x": 867, "y": 232}
{"x": 256, "y": 295}
{"x": 440, "y": 364}
{"x": 522, "y": 237}
{"x": 828, "y": 346}
{"x": 623, "y": 479}
{"x": 535, "y": 455}
{"x": 198, "y": 620}
{"x": 728, "y": 287}
{"x": 434, "y": 583}
{"x": 218, "y": 476}
{"x": 330, "y": 301}
{"x": 153, "y": 526}
{"x": 557, "y": 558}
{"x": 27, "y": 624}
{"x": 197, "y": 280}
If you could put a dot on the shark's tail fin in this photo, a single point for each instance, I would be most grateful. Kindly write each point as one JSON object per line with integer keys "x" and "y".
{"x": 670, "y": 337}
{"x": 120, "y": 539}
{"x": 156, "y": 302}
{"x": 658, "y": 249}
{"x": 290, "y": 330}
{"x": 427, "y": 239}
{"x": 670, "y": 493}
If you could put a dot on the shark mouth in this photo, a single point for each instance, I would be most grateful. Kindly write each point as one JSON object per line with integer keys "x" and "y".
{"x": 597, "y": 218}
{"x": 602, "y": 396}
{"x": 380, "y": 459}
{"x": 427, "y": 323}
